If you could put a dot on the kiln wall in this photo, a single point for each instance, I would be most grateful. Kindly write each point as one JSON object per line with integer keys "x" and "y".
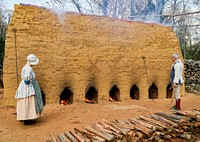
{"x": 80, "y": 51}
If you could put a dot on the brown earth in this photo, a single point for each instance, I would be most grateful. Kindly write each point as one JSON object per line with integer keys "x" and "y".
{"x": 57, "y": 118}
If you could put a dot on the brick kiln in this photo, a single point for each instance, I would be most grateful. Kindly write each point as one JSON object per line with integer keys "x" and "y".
{"x": 89, "y": 56}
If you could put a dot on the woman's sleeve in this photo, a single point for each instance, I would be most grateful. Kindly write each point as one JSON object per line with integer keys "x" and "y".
{"x": 26, "y": 74}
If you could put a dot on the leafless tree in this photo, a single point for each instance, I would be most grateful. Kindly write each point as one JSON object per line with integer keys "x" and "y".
{"x": 5, "y": 16}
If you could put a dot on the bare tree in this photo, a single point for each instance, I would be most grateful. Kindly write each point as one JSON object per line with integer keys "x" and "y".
{"x": 5, "y": 16}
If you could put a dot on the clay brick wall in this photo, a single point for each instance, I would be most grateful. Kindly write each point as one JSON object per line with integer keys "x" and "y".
{"x": 83, "y": 51}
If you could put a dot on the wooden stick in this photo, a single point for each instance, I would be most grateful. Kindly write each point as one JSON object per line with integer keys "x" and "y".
{"x": 110, "y": 127}
{"x": 116, "y": 127}
{"x": 63, "y": 138}
{"x": 108, "y": 131}
{"x": 163, "y": 119}
{"x": 110, "y": 123}
{"x": 103, "y": 132}
{"x": 164, "y": 125}
{"x": 78, "y": 138}
{"x": 53, "y": 138}
{"x": 91, "y": 136}
{"x": 171, "y": 121}
{"x": 126, "y": 126}
{"x": 70, "y": 136}
{"x": 99, "y": 133}
{"x": 143, "y": 129}
{"x": 130, "y": 136}
{"x": 83, "y": 136}
{"x": 98, "y": 139}
{"x": 174, "y": 117}
{"x": 142, "y": 123}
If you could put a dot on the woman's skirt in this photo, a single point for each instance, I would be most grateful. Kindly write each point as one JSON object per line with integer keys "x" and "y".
{"x": 26, "y": 108}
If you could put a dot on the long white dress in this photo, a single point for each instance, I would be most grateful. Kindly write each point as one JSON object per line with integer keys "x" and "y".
{"x": 25, "y": 96}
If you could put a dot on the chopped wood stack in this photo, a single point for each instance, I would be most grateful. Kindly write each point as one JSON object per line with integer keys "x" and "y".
{"x": 192, "y": 76}
{"x": 156, "y": 127}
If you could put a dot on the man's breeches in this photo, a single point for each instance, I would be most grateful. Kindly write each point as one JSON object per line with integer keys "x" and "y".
{"x": 177, "y": 92}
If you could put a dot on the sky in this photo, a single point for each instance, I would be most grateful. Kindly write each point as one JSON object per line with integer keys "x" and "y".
{"x": 10, "y": 3}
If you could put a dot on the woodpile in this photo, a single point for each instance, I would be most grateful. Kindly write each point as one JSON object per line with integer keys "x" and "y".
{"x": 192, "y": 76}
{"x": 155, "y": 127}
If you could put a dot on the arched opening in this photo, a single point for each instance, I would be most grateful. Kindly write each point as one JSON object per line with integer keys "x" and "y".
{"x": 1, "y": 84}
{"x": 91, "y": 96}
{"x": 114, "y": 94}
{"x": 169, "y": 91}
{"x": 66, "y": 97}
{"x": 153, "y": 92}
{"x": 134, "y": 92}
{"x": 43, "y": 97}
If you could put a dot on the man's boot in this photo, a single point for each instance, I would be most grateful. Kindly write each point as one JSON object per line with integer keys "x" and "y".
{"x": 175, "y": 107}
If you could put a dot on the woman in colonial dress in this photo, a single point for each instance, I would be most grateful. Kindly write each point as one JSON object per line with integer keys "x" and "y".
{"x": 28, "y": 94}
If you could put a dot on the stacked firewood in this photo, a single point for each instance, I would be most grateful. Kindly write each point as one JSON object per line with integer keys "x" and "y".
{"x": 192, "y": 76}
{"x": 156, "y": 127}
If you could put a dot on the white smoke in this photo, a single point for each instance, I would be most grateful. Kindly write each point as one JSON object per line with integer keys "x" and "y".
{"x": 59, "y": 13}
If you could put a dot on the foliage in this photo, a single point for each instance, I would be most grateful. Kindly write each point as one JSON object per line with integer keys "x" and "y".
{"x": 194, "y": 52}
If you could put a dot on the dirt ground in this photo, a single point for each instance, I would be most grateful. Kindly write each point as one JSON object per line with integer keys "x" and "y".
{"x": 57, "y": 118}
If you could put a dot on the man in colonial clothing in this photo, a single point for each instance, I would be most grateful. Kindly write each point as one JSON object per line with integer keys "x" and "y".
{"x": 176, "y": 80}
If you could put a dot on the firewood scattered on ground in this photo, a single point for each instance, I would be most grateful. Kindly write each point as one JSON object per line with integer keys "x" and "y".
{"x": 155, "y": 127}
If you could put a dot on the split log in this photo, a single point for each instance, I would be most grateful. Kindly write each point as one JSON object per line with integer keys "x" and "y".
{"x": 110, "y": 127}
{"x": 118, "y": 136}
{"x": 139, "y": 134}
{"x": 174, "y": 117}
{"x": 128, "y": 122}
{"x": 53, "y": 138}
{"x": 78, "y": 138}
{"x": 63, "y": 138}
{"x": 186, "y": 113}
{"x": 70, "y": 136}
{"x": 192, "y": 114}
{"x": 98, "y": 139}
{"x": 130, "y": 136}
{"x": 159, "y": 118}
{"x": 171, "y": 118}
{"x": 186, "y": 136}
{"x": 99, "y": 134}
{"x": 80, "y": 132}
{"x": 142, "y": 123}
{"x": 103, "y": 132}
{"x": 143, "y": 129}
{"x": 164, "y": 125}
{"x": 83, "y": 136}
{"x": 196, "y": 110}
{"x": 167, "y": 137}
{"x": 116, "y": 127}
{"x": 92, "y": 136}
{"x": 126, "y": 126}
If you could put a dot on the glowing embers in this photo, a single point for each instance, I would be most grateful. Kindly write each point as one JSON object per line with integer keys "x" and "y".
{"x": 91, "y": 96}
{"x": 134, "y": 92}
{"x": 169, "y": 91}
{"x": 153, "y": 92}
{"x": 114, "y": 94}
{"x": 66, "y": 97}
